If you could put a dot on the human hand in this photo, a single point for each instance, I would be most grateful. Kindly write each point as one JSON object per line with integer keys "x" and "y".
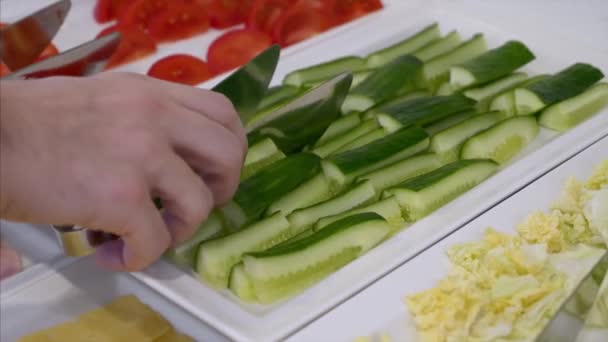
{"x": 94, "y": 152}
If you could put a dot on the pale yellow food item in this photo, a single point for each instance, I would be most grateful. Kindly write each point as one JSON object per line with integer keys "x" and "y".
{"x": 599, "y": 178}
{"x": 125, "y": 319}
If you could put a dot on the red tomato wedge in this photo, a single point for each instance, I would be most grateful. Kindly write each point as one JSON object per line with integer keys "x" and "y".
{"x": 227, "y": 13}
{"x": 139, "y": 13}
{"x": 4, "y": 70}
{"x": 108, "y": 10}
{"x": 184, "y": 69}
{"x": 302, "y": 21}
{"x": 235, "y": 48}
{"x": 49, "y": 51}
{"x": 134, "y": 44}
{"x": 265, "y": 13}
{"x": 179, "y": 22}
{"x": 347, "y": 10}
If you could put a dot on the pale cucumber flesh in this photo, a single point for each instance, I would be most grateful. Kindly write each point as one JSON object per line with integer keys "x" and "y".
{"x": 338, "y": 127}
{"x": 185, "y": 253}
{"x": 569, "y": 113}
{"x": 335, "y": 143}
{"x": 388, "y": 208}
{"x": 404, "y": 47}
{"x": 494, "y": 88}
{"x": 365, "y": 139}
{"x": 240, "y": 284}
{"x": 452, "y": 137}
{"x": 438, "y": 47}
{"x": 441, "y": 64}
{"x": 313, "y": 191}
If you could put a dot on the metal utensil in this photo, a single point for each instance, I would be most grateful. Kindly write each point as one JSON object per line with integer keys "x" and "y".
{"x": 22, "y": 42}
{"x": 83, "y": 60}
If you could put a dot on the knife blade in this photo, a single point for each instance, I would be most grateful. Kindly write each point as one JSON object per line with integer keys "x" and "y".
{"x": 247, "y": 86}
{"x": 22, "y": 42}
{"x": 83, "y": 60}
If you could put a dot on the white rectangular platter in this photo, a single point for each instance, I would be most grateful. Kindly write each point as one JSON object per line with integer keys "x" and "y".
{"x": 380, "y": 307}
{"x": 246, "y": 323}
{"x": 63, "y": 290}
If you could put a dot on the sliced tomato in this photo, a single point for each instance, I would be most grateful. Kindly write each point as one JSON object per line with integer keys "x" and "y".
{"x": 303, "y": 20}
{"x": 139, "y": 13}
{"x": 347, "y": 10}
{"x": 106, "y": 31}
{"x": 179, "y": 22}
{"x": 134, "y": 44}
{"x": 4, "y": 70}
{"x": 49, "y": 51}
{"x": 265, "y": 13}
{"x": 108, "y": 10}
{"x": 235, "y": 48}
{"x": 227, "y": 13}
{"x": 184, "y": 69}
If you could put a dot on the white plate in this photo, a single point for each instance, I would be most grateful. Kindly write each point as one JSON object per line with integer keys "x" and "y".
{"x": 380, "y": 308}
{"x": 246, "y": 323}
{"x": 64, "y": 290}
{"x": 35, "y": 243}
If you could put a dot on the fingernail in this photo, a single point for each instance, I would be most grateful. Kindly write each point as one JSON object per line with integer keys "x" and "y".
{"x": 109, "y": 255}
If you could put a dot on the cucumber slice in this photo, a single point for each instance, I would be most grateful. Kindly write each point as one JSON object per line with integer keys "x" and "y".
{"x": 426, "y": 110}
{"x": 256, "y": 193}
{"x": 555, "y": 88}
{"x": 448, "y": 122}
{"x": 438, "y": 47}
{"x": 335, "y": 143}
{"x": 491, "y": 65}
{"x": 424, "y": 194}
{"x": 359, "y": 194}
{"x": 325, "y": 71}
{"x": 240, "y": 284}
{"x": 485, "y": 93}
{"x": 388, "y": 123}
{"x": 401, "y": 171}
{"x": 359, "y": 77}
{"x": 259, "y": 156}
{"x": 502, "y": 141}
{"x": 342, "y": 168}
{"x": 400, "y": 75}
{"x": 185, "y": 253}
{"x": 365, "y": 139}
{"x": 311, "y": 192}
{"x": 278, "y": 94}
{"x": 440, "y": 65}
{"x": 505, "y": 101}
{"x": 388, "y": 208}
{"x": 446, "y": 89}
{"x": 450, "y": 139}
{"x": 569, "y": 113}
{"x": 341, "y": 125}
{"x": 215, "y": 258}
{"x": 288, "y": 269}
{"x": 404, "y": 47}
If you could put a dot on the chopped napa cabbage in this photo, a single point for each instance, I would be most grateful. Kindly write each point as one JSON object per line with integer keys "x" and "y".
{"x": 599, "y": 178}
{"x": 596, "y": 212}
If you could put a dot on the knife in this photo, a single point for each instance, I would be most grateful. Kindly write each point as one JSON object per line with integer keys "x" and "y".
{"x": 22, "y": 42}
{"x": 83, "y": 60}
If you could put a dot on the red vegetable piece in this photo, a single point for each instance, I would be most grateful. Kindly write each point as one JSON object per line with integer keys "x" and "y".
{"x": 108, "y": 10}
{"x": 4, "y": 70}
{"x": 179, "y": 22}
{"x": 139, "y": 13}
{"x": 227, "y": 13}
{"x": 134, "y": 44}
{"x": 49, "y": 51}
{"x": 180, "y": 68}
{"x": 235, "y": 48}
{"x": 347, "y": 10}
{"x": 302, "y": 21}
{"x": 265, "y": 13}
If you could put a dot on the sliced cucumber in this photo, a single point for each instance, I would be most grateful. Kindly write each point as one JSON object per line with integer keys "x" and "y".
{"x": 240, "y": 284}
{"x": 569, "y": 113}
{"x": 257, "y": 192}
{"x": 399, "y": 75}
{"x": 359, "y": 77}
{"x": 278, "y": 94}
{"x": 325, "y": 71}
{"x": 335, "y": 143}
{"x": 426, "y": 110}
{"x": 446, "y": 89}
{"x": 448, "y": 122}
{"x": 259, "y": 156}
{"x": 388, "y": 208}
{"x": 363, "y": 140}
{"x": 342, "y": 168}
{"x": 448, "y": 142}
{"x": 485, "y": 93}
{"x": 313, "y": 191}
{"x": 404, "y": 47}
{"x": 438, "y": 47}
{"x": 555, "y": 88}
{"x": 505, "y": 101}
{"x": 185, "y": 253}
{"x": 215, "y": 258}
{"x": 502, "y": 141}
{"x": 491, "y": 65}
{"x": 358, "y": 194}
{"x": 401, "y": 171}
{"x": 440, "y": 65}
{"x": 424, "y": 194}
{"x": 341, "y": 125}
{"x": 290, "y": 268}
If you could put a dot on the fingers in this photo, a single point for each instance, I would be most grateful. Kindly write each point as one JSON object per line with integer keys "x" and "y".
{"x": 186, "y": 199}
{"x": 211, "y": 150}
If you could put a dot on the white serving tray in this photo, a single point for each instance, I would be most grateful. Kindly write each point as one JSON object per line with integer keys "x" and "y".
{"x": 380, "y": 308}
{"x": 63, "y": 290}
{"x": 249, "y": 323}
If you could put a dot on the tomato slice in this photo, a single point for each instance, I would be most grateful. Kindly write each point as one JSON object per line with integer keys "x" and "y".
{"x": 302, "y": 21}
{"x": 265, "y": 13}
{"x": 4, "y": 70}
{"x": 227, "y": 13}
{"x": 347, "y": 10}
{"x": 180, "y": 68}
{"x": 139, "y": 13}
{"x": 179, "y": 22}
{"x": 108, "y": 10}
{"x": 235, "y": 48}
{"x": 134, "y": 44}
{"x": 49, "y": 51}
